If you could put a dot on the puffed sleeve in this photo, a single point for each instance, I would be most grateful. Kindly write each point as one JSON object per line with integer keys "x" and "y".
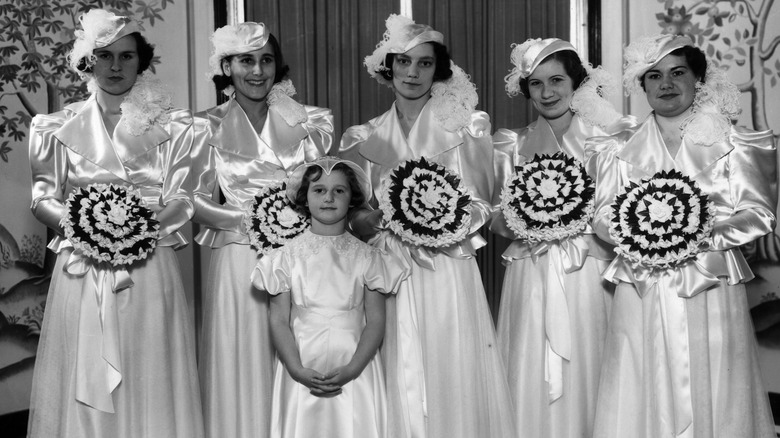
{"x": 601, "y": 164}
{"x": 385, "y": 271}
{"x": 504, "y": 144}
{"x": 320, "y": 127}
{"x": 208, "y": 211}
{"x": 49, "y": 166}
{"x": 349, "y": 149}
{"x": 177, "y": 186}
{"x": 753, "y": 189}
{"x": 272, "y": 272}
{"x": 477, "y": 167}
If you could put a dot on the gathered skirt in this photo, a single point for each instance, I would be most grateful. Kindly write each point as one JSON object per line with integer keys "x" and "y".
{"x": 463, "y": 391}
{"x": 158, "y": 395}
{"x": 522, "y": 340}
{"x": 727, "y": 397}
{"x": 236, "y": 355}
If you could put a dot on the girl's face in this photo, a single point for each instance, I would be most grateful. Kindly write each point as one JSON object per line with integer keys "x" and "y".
{"x": 670, "y": 86}
{"x": 116, "y": 68}
{"x": 551, "y": 89}
{"x": 328, "y": 200}
{"x": 413, "y": 72}
{"x": 252, "y": 72}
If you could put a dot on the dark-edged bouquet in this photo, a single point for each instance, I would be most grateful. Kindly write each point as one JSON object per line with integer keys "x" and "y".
{"x": 271, "y": 220}
{"x": 549, "y": 197}
{"x": 425, "y": 204}
{"x": 109, "y": 224}
{"x": 662, "y": 221}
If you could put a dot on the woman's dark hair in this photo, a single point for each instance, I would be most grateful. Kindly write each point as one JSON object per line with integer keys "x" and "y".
{"x": 145, "y": 55}
{"x": 694, "y": 57}
{"x": 442, "y": 72}
{"x": 313, "y": 174}
{"x": 572, "y": 65}
{"x": 224, "y": 81}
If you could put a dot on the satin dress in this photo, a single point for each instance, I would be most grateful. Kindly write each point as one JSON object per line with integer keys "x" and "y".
{"x": 144, "y": 339}
{"x": 326, "y": 276}
{"x": 554, "y": 304}
{"x": 680, "y": 357}
{"x": 236, "y": 358}
{"x": 444, "y": 373}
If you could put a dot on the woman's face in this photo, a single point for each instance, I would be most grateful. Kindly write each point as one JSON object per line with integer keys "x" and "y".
{"x": 252, "y": 72}
{"x": 413, "y": 72}
{"x": 550, "y": 89}
{"x": 670, "y": 86}
{"x": 116, "y": 68}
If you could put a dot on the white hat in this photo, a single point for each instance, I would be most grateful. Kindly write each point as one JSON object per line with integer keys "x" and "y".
{"x": 232, "y": 40}
{"x": 644, "y": 53}
{"x": 527, "y": 56}
{"x": 99, "y": 28}
{"x": 402, "y": 35}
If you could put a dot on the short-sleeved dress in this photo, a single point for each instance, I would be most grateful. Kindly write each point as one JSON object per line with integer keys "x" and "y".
{"x": 326, "y": 276}
{"x": 680, "y": 357}
{"x": 236, "y": 356}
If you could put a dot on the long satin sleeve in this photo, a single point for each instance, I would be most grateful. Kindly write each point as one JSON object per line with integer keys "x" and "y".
{"x": 208, "y": 211}
{"x": 476, "y": 157}
{"x": 176, "y": 196}
{"x": 320, "y": 128}
{"x": 504, "y": 144}
{"x": 753, "y": 189}
{"x": 49, "y": 166}
{"x": 601, "y": 164}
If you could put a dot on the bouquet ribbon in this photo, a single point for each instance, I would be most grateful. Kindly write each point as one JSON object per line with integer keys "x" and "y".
{"x": 98, "y": 362}
{"x": 669, "y": 320}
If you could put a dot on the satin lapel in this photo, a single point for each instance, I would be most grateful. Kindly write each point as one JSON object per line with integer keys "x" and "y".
{"x": 540, "y": 140}
{"x": 575, "y": 136}
{"x": 129, "y": 146}
{"x": 86, "y": 135}
{"x": 693, "y": 158}
{"x": 645, "y": 151}
{"x": 428, "y": 138}
{"x": 285, "y": 140}
{"x": 386, "y": 144}
{"x": 236, "y": 135}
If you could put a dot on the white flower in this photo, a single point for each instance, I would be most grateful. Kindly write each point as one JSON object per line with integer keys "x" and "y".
{"x": 660, "y": 211}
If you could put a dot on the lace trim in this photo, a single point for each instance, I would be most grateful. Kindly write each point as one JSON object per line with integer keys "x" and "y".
{"x": 147, "y": 104}
{"x": 346, "y": 245}
{"x": 454, "y": 100}
{"x": 280, "y": 97}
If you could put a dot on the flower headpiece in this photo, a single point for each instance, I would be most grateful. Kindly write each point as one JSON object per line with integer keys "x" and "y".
{"x": 588, "y": 100}
{"x": 99, "y": 28}
{"x": 234, "y": 39}
{"x": 326, "y": 163}
{"x": 716, "y": 102}
{"x": 402, "y": 35}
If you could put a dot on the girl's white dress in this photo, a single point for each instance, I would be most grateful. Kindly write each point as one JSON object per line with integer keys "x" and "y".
{"x": 326, "y": 276}
{"x": 236, "y": 356}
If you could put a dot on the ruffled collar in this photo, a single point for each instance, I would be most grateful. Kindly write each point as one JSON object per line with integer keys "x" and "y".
{"x": 147, "y": 104}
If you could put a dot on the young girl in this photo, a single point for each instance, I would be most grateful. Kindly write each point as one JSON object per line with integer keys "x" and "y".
{"x": 327, "y": 311}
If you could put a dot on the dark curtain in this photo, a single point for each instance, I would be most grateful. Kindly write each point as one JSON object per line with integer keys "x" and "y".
{"x": 324, "y": 43}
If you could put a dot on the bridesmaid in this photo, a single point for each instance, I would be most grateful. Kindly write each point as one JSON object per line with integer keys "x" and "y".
{"x": 554, "y": 304}
{"x": 445, "y": 378}
{"x": 680, "y": 357}
{"x": 253, "y": 140}
{"x": 116, "y": 356}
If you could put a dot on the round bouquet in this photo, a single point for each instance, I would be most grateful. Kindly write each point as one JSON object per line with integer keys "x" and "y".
{"x": 425, "y": 204}
{"x": 108, "y": 223}
{"x": 662, "y": 221}
{"x": 271, "y": 220}
{"x": 548, "y": 198}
